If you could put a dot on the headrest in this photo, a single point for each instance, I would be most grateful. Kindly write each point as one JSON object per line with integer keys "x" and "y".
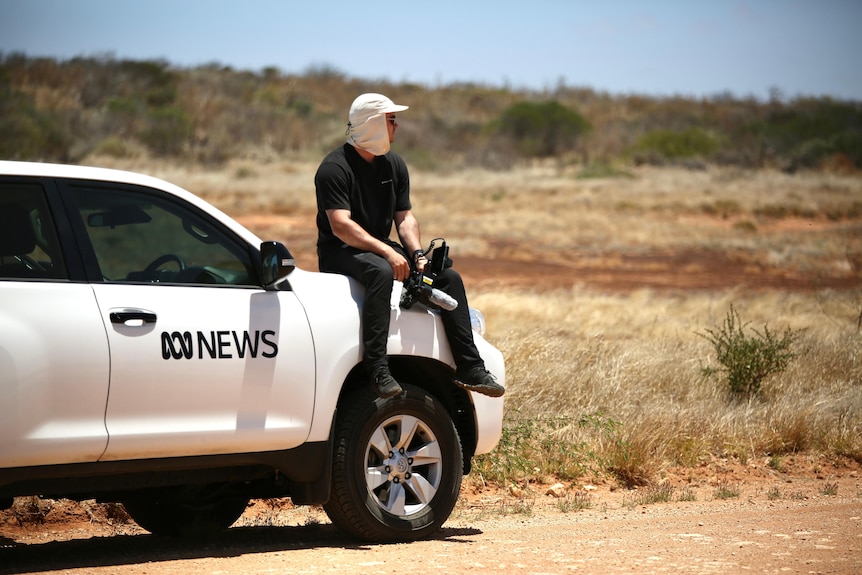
{"x": 16, "y": 231}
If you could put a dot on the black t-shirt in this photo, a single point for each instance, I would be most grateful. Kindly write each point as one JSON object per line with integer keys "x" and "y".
{"x": 372, "y": 192}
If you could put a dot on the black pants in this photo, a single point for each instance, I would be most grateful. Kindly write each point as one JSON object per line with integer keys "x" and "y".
{"x": 375, "y": 273}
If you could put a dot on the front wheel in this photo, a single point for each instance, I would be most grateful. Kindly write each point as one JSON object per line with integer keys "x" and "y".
{"x": 397, "y": 466}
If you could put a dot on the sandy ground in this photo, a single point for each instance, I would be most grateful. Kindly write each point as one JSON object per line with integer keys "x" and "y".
{"x": 720, "y": 518}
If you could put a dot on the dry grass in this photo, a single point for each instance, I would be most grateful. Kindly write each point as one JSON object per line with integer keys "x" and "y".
{"x": 637, "y": 360}
{"x": 631, "y": 360}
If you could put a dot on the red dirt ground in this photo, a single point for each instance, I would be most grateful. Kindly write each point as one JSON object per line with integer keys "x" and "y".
{"x": 679, "y": 270}
{"x": 804, "y": 518}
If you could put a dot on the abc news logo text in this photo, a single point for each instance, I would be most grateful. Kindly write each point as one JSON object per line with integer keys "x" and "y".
{"x": 226, "y": 344}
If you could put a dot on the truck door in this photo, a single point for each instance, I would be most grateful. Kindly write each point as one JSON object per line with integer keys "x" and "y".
{"x": 203, "y": 360}
{"x": 53, "y": 348}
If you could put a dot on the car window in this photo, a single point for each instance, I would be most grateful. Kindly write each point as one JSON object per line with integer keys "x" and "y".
{"x": 141, "y": 236}
{"x": 28, "y": 239}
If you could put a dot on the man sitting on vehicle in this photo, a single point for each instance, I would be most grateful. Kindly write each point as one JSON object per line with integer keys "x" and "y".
{"x": 362, "y": 189}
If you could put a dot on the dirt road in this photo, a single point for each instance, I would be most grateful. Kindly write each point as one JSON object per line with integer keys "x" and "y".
{"x": 777, "y": 523}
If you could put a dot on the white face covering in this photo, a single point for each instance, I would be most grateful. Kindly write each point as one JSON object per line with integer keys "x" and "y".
{"x": 372, "y": 136}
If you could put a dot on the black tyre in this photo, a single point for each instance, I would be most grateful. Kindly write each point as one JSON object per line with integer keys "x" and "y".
{"x": 397, "y": 466}
{"x": 187, "y": 512}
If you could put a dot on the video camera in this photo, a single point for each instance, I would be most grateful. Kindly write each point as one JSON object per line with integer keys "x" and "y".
{"x": 420, "y": 285}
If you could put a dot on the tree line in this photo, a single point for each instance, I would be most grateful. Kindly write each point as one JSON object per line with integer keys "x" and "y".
{"x": 53, "y": 110}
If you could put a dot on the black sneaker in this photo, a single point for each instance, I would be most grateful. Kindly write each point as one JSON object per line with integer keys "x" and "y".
{"x": 385, "y": 384}
{"x": 480, "y": 380}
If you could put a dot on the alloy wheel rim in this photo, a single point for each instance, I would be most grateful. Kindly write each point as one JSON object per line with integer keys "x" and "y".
{"x": 403, "y": 465}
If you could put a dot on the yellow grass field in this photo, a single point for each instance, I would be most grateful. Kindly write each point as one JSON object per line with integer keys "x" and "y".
{"x": 597, "y": 289}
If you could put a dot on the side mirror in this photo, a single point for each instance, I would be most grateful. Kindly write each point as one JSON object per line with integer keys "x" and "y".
{"x": 276, "y": 263}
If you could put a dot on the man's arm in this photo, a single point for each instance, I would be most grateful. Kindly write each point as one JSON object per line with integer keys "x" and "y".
{"x": 408, "y": 231}
{"x": 355, "y": 236}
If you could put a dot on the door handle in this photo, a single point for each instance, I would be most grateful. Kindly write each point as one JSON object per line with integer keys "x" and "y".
{"x": 127, "y": 315}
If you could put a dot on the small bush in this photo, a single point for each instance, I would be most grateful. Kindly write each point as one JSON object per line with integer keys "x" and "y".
{"x": 530, "y": 449}
{"x": 673, "y": 145}
{"x": 830, "y": 489}
{"x": 777, "y": 463}
{"x": 745, "y": 226}
{"x": 628, "y": 458}
{"x": 726, "y": 490}
{"x": 167, "y": 132}
{"x": 662, "y": 493}
{"x": 116, "y": 147}
{"x": 28, "y": 132}
{"x": 510, "y": 461}
{"x": 628, "y": 462}
{"x": 686, "y": 494}
{"x": 749, "y": 359}
{"x": 602, "y": 170}
{"x": 542, "y": 129}
{"x": 575, "y": 502}
{"x": 722, "y": 208}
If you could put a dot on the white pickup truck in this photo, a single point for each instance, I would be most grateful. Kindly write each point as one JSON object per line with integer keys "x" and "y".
{"x": 156, "y": 353}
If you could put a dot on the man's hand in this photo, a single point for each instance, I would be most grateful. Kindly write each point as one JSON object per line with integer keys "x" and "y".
{"x": 420, "y": 261}
{"x": 355, "y": 236}
{"x": 400, "y": 266}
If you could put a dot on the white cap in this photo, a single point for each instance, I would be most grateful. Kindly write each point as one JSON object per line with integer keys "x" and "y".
{"x": 369, "y": 106}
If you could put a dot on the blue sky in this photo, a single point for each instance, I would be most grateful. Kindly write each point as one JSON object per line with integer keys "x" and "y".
{"x": 659, "y": 47}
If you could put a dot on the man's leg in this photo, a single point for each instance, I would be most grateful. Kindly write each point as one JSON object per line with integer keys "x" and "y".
{"x": 375, "y": 274}
{"x": 457, "y": 324}
{"x": 470, "y": 370}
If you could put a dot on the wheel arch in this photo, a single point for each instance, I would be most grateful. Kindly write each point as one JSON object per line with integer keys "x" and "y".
{"x": 435, "y": 377}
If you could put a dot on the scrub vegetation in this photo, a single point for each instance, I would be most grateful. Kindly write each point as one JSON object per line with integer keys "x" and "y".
{"x": 633, "y": 257}
{"x": 70, "y": 110}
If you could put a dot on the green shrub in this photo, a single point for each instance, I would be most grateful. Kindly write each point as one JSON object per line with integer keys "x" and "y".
{"x": 678, "y": 145}
{"x": 602, "y": 170}
{"x": 749, "y": 359}
{"x": 810, "y": 130}
{"x": 168, "y": 130}
{"x": 116, "y": 147}
{"x": 531, "y": 448}
{"x": 542, "y": 129}
{"x": 27, "y": 132}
